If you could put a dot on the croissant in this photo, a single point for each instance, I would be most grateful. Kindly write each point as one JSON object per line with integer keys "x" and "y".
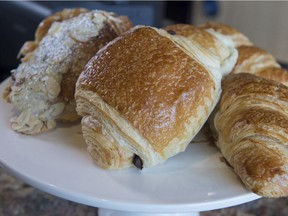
{"x": 144, "y": 96}
{"x": 251, "y": 125}
{"x": 43, "y": 27}
{"x": 251, "y": 59}
{"x": 217, "y": 47}
{"x": 261, "y": 63}
{"x": 43, "y": 85}
{"x": 278, "y": 74}
{"x": 238, "y": 38}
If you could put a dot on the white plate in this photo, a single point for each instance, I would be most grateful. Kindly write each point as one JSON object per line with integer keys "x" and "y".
{"x": 57, "y": 162}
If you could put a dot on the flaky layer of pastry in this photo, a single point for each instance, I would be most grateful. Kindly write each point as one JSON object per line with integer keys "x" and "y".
{"x": 220, "y": 48}
{"x": 150, "y": 92}
{"x": 278, "y": 74}
{"x": 261, "y": 63}
{"x": 253, "y": 59}
{"x": 238, "y": 38}
{"x": 111, "y": 139}
{"x": 252, "y": 128}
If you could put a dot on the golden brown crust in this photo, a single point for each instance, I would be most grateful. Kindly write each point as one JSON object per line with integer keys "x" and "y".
{"x": 252, "y": 126}
{"x": 150, "y": 91}
{"x": 252, "y": 59}
{"x": 238, "y": 38}
{"x": 147, "y": 93}
{"x": 250, "y": 86}
{"x": 221, "y": 28}
{"x": 217, "y": 47}
{"x": 197, "y": 35}
{"x": 246, "y": 52}
{"x": 193, "y": 33}
{"x": 259, "y": 62}
{"x": 274, "y": 73}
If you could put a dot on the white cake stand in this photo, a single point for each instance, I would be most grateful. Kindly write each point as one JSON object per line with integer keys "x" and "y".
{"x": 57, "y": 162}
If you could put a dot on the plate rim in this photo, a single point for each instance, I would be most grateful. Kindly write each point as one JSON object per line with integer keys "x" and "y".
{"x": 122, "y": 205}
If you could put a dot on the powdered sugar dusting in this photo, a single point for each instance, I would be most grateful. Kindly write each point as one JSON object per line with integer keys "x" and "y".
{"x": 35, "y": 92}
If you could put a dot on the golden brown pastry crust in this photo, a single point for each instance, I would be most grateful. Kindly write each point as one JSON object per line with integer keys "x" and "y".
{"x": 150, "y": 106}
{"x": 259, "y": 62}
{"x": 274, "y": 73}
{"x": 237, "y": 37}
{"x": 148, "y": 94}
{"x": 248, "y": 52}
{"x": 217, "y": 48}
{"x": 252, "y": 126}
{"x": 252, "y": 59}
{"x": 193, "y": 33}
{"x": 199, "y": 35}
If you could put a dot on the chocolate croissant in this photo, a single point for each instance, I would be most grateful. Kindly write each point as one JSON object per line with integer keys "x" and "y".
{"x": 144, "y": 96}
{"x": 251, "y": 124}
{"x": 43, "y": 85}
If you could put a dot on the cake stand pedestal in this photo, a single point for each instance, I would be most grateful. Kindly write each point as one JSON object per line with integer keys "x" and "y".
{"x": 108, "y": 212}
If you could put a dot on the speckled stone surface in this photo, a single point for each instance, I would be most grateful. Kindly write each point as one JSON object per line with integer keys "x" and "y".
{"x": 18, "y": 198}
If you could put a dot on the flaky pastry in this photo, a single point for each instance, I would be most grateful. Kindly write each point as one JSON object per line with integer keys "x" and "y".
{"x": 145, "y": 95}
{"x": 43, "y": 85}
{"x": 251, "y": 125}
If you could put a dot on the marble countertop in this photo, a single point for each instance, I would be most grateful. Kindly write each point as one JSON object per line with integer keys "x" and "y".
{"x": 18, "y": 198}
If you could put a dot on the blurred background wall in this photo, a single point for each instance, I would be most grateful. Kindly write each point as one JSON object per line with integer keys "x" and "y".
{"x": 264, "y": 22}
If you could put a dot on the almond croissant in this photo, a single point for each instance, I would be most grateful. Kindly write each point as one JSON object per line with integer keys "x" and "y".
{"x": 43, "y": 85}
